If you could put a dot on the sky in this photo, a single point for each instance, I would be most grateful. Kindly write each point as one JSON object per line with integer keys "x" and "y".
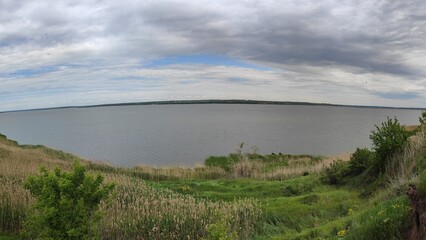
{"x": 86, "y": 52}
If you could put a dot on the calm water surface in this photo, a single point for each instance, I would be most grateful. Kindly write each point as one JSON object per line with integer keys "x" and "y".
{"x": 162, "y": 135}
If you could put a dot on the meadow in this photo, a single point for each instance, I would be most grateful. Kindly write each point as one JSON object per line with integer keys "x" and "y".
{"x": 240, "y": 196}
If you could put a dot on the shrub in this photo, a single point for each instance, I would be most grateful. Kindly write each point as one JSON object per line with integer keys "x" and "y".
{"x": 388, "y": 139}
{"x": 218, "y": 161}
{"x": 220, "y": 231}
{"x": 335, "y": 172}
{"x": 360, "y": 160}
{"x": 66, "y": 203}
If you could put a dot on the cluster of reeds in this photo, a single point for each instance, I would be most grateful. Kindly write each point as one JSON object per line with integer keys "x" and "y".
{"x": 14, "y": 204}
{"x": 280, "y": 168}
{"x": 244, "y": 168}
{"x": 176, "y": 173}
{"x": 139, "y": 211}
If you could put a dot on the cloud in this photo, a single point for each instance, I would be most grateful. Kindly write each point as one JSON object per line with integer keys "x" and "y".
{"x": 352, "y": 52}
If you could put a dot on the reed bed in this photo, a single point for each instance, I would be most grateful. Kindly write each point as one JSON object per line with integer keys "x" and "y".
{"x": 177, "y": 173}
{"x": 273, "y": 167}
{"x": 139, "y": 211}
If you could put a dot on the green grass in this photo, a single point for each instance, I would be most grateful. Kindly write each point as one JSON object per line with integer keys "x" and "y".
{"x": 292, "y": 208}
{"x": 6, "y": 237}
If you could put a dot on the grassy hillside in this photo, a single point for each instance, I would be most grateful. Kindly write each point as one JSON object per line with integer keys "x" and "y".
{"x": 244, "y": 195}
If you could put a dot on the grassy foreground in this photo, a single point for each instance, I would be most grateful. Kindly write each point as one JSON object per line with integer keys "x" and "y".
{"x": 242, "y": 196}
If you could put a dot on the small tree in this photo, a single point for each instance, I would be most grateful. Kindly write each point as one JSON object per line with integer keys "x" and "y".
{"x": 388, "y": 139}
{"x": 66, "y": 203}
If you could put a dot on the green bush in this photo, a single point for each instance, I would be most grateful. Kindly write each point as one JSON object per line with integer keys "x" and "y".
{"x": 335, "y": 172}
{"x": 388, "y": 139}
{"x": 218, "y": 161}
{"x": 360, "y": 160}
{"x": 66, "y": 204}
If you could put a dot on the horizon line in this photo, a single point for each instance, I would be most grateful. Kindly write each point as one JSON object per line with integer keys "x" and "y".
{"x": 214, "y": 101}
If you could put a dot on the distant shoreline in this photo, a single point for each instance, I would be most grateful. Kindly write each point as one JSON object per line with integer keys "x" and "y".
{"x": 215, "y": 101}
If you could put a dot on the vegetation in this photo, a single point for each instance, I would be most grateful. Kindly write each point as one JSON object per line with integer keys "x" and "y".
{"x": 388, "y": 139}
{"x": 422, "y": 118}
{"x": 66, "y": 203}
{"x": 240, "y": 196}
{"x": 360, "y": 160}
{"x": 136, "y": 210}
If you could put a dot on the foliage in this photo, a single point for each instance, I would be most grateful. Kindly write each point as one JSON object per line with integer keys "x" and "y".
{"x": 360, "y": 160}
{"x": 388, "y": 139}
{"x": 335, "y": 173}
{"x": 66, "y": 203}
{"x": 220, "y": 231}
{"x": 422, "y": 119}
{"x": 388, "y": 221}
{"x": 221, "y": 161}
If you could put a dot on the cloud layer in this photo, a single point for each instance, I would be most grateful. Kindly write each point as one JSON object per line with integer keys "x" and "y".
{"x": 58, "y": 53}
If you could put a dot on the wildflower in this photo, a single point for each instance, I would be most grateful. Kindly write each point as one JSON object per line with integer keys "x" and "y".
{"x": 341, "y": 233}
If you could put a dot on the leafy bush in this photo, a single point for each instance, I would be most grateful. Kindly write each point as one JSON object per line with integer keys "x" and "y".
{"x": 388, "y": 139}
{"x": 360, "y": 160}
{"x": 335, "y": 172}
{"x": 66, "y": 203}
{"x": 220, "y": 231}
{"x": 218, "y": 161}
{"x": 224, "y": 162}
{"x": 388, "y": 221}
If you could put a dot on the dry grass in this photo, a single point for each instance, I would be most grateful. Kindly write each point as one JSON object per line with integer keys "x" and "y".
{"x": 135, "y": 211}
{"x": 297, "y": 166}
{"x": 177, "y": 173}
{"x": 401, "y": 168}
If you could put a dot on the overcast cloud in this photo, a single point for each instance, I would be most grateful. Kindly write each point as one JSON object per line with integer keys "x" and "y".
{"x": 61, "y": 53}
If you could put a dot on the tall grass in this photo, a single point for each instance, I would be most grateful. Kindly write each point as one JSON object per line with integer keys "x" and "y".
{"x": 142, "y": 212}
{"x": 402, "y": 166}
{"x": 135, "y": 211}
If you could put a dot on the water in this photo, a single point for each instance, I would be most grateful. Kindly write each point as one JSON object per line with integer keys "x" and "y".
{"x": 184, "y": 135}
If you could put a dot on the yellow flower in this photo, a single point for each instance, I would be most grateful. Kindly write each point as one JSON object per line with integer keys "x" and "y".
{"x": 341, "y": 233}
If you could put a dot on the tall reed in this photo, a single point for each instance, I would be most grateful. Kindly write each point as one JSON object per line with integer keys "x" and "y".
{"x": 139, "y": 211}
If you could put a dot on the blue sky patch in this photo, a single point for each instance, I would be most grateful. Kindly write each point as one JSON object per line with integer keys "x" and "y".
{"x": 206, "y": 59}
{"x": 399, "y": 96}
{"x": 238, "y": 80}
{"x": 34, "y": 71}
